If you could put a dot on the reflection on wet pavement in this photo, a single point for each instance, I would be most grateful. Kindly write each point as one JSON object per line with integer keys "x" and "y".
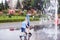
{"x": 38, "y": 33}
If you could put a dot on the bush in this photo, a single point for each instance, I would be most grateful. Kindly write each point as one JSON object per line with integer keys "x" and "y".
{"x": 1, "y": 13}
{"x": 24, "y": 12}
{"x": 5, "y": 11}
{"x": 15, "y": 19}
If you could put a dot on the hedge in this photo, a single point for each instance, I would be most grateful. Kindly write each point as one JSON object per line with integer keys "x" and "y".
{"x": 16, "y": 19}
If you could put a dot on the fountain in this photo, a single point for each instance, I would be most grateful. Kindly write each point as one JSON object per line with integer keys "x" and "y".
{"x": 49, "y": 19}
{"x": 51, "y": 10}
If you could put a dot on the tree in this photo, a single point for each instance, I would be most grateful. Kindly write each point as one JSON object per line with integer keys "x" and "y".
{"x": 6, "y": 5}
{"x": 59, "y": 6}
{"x": 18, "y": 5}
{"x": 1, "y": 6}
{"x": 32, "y": 2}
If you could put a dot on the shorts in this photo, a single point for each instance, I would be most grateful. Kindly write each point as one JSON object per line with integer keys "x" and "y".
{"x": 22, "y": 29}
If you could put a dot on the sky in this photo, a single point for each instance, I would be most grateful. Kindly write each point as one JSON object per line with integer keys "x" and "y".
{"x": 3, "y": 1}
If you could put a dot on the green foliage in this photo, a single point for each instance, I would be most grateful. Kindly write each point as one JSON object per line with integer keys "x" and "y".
{"x": 5, "y": 11}
{"x": 24, "y": 12}
{"x": 6, "y": 5}
{"x": 59, "y": 6}
{"x": 1, "y": 6}
{"x": 15, "y": 19}
{"x": 18, "y": 5}
{"x": 32, "y": 2}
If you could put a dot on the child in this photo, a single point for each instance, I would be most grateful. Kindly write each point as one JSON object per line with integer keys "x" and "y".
{"x": 23, "y": 28}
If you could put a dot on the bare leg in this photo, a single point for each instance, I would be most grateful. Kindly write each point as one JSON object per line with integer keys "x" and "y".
{"x": 20, "y": 37}
{"x": 29, "y": 36}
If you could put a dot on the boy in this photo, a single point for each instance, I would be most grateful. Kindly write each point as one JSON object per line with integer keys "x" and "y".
{"x": 25, "y": 30}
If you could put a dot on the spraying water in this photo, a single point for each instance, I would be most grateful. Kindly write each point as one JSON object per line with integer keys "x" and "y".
{"x": 56, "y": 18}
{"x": 50, "y": 10}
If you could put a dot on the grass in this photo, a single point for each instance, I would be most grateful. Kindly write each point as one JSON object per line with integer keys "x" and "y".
{"x": 15, "y": 19}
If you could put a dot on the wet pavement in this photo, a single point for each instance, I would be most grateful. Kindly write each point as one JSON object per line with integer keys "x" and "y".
{"x": 6, "y": 34}
{"x": 40, "y": 32}
{"x": 15, "y": 24}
